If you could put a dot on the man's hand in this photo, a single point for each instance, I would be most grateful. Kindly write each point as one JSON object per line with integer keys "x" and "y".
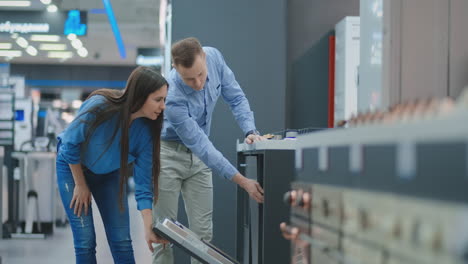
{"x": 253, "y": 138}
{"x": 254, "y": 190}
{"x": 252, "y": 187}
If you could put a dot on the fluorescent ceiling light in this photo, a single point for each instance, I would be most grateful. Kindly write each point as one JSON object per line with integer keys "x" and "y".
{"x": 14, "y": 35}
{"x": 6, "y": 45}
{"x": 45, "y": 38}
{"x": 76, "y": 43}
{"x": 60, "y": 54}
{"x": 10, "y": 53}
{"x": 22, "y": 42}
{"x": 52, "y": 8}
{"x": 83, "y": 52}
{"x": 31, "y": 50}
{"x": 46, "y": 46}
{"x": 46, "y": 2}
{"x": 149, "y": 60}
{"x": 15, "y": 3}
{"x": 71, "y": 36}
{"x": 162, "y": 21}
{"x": 77, "y": 104}
{"x": 56, "y": 103}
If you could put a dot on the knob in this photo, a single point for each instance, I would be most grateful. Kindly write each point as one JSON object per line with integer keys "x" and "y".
{"x": 289, "y": 198}
{"x": 300, "y": 200}
{"x": 306, "y": 200}
{"x": 289, "y": 232}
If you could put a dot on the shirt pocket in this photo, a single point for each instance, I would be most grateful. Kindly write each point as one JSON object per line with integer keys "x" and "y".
{"x": 214, "y": 93}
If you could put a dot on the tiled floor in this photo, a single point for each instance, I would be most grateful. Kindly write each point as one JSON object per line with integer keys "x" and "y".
{"x": 58, "y": 248}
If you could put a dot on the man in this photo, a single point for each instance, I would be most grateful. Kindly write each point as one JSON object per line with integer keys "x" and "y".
{"x": 199, "y": 77}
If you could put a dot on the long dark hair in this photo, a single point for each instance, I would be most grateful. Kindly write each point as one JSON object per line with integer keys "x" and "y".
{"x": 142, "y": 82}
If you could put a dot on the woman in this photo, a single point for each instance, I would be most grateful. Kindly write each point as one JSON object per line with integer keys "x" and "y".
{"x": 112, "y": 129}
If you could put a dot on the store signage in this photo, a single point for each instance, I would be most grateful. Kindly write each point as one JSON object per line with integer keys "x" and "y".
{"x": 10, "y": 27}
{"x": 42, "y": 22}
{"x": 149, "y": 57}
{"x": 74, "y": 24}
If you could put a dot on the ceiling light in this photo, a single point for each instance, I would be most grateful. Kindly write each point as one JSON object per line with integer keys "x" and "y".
{"x": 6, "y": 45}
{"x": 56, "y": 103}
{"x": 76, "y": 43}
{"x": 31, "y": 50}
{"x": 60, "y": 54}
{"x": 10, "y": 53}
{"x": 52, "y": 8}
{"x": 83, "y": 52}
{"x": 46, "y": 2}
{"x": 14, "y": 35}
{"x": 77, "y": 104}
{"x": 71, "y": 36}
{"x": 45, "y": 38}
{"x": 22, "y": 42}
{"x": 15, "y": 3}
{"x": 67, "y": 116}
{"x": 52, "y": 46}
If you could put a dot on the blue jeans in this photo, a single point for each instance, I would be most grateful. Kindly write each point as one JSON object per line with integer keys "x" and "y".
{"x": 105, "y": 191}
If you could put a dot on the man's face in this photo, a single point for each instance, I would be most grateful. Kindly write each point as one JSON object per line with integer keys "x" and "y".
{"x": 195, "y": 76}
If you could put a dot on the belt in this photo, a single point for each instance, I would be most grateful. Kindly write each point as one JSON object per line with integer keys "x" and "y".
{"x": 176, "y": 146}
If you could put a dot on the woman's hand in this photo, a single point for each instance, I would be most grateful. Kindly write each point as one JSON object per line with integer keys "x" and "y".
{"x": 151, "y": 238}
{"x": 81, "y": 199}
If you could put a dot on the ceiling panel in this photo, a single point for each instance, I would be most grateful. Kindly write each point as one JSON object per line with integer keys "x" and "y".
{"x": 138, "y": 22}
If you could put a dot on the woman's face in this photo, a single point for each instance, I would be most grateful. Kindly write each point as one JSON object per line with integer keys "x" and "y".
{"x": 154, "y": 104}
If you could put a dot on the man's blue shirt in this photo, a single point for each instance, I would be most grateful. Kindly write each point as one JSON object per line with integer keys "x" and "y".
{"x": 188, "y": 114}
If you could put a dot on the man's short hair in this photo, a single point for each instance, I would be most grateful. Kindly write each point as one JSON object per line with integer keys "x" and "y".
{"x": 184, "y": 52}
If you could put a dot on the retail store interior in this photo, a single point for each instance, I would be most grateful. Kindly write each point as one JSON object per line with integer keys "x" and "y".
{"x": 360, "y": 123}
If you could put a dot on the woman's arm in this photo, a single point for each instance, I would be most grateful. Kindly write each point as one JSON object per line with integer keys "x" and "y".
{"x": 81, "y": 194}
{"x": 150, "y": 236}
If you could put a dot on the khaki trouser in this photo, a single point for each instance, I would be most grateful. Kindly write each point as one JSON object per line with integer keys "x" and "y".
{"x": 183, "y": 172}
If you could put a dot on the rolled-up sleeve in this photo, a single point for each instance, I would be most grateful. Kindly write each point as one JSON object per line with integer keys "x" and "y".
{"x": 143, "y": 176}
{"x": 234, "y": 96}
{"x": 195, "y": 139}
{"x": 72, "y": 138}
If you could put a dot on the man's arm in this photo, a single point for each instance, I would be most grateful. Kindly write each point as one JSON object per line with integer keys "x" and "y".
{"x": 196, "y": 140}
